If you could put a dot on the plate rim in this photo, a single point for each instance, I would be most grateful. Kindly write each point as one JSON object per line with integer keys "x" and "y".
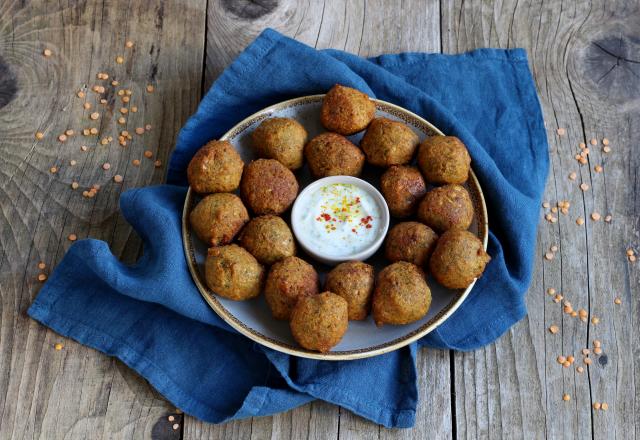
{"x": 377, "y": 350}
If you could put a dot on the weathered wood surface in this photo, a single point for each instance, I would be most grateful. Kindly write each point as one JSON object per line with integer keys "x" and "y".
{"x": 585, "y": 58}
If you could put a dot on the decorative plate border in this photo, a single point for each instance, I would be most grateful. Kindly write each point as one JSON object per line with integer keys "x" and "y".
{"x": 209, "y": 296}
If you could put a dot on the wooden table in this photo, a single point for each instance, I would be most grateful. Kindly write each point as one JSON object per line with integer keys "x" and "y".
{"x": 585, "y": 57}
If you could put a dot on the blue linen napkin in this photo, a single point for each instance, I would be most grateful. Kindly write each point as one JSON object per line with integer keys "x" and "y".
{"x": 151, "y": 316}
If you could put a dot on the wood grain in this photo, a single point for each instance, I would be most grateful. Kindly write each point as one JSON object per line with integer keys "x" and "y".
{"x": 77, "y": 392}
{"x": 519, "y": 386}
{"x": 585, "y": 59}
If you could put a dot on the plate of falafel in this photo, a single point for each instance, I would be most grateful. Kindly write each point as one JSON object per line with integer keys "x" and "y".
{"x": 334, "y": 226}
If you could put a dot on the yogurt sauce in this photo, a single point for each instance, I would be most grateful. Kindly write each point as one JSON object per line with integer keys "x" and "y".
{"x": 340, "y": 220}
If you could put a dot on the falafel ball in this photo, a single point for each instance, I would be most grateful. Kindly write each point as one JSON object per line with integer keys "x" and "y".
{"x": 446, "y": 207}
{"x": 268, "y": 187}
{"x": 216, "y": 167}
{"x": 410, "y": 241}
{"x": 288, "y": 281}
{"x": 458, "y": 259}
{"x": 331, "y": 154}
{"x": 281, "y": 139}
{"x": 218, "y": 217}
{"x": 320, "y": 321}
{"x": 401, "y": 295}
{"x": 353, "y": 280}
{"x": 268, "y": 238}
{"x": 402, "y": 187}
{"x": 388, "y": 142}
{"x": 346, "y": 110}
{"x": 444, "y": 159}
{"x": 232, "y": 272}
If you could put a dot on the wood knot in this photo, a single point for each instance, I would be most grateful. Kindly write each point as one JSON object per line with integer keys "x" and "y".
{"x": 8, "y": 83}
{"x": 612, "y": 64}
{"x": 250, "y": 9}
{"x": 603, "y": 360}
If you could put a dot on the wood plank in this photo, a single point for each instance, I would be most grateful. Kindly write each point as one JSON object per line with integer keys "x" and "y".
{"x": 77, "y": 392}
{"x": 368, "y": 29}
{"x": 514, "y": 388}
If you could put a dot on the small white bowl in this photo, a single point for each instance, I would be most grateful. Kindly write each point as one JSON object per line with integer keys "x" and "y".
{"x": 333, "y": 259}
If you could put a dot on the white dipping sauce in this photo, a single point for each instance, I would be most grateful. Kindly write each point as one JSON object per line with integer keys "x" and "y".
{"x": 340, "y": 220}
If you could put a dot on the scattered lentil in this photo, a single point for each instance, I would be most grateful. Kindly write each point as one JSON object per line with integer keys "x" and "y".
{"x": 593, "y": 142}
{"x": 83, "y": 148}
{"x": 573, "y": 176}
{"x": 106, "y": 166}
{"x": 608, "y": 218}
{"x": 571, "y": 359}
{"x": 632, "y": 258}
{"x": 585, "y": 351}
{"x": 147, "y": 127}
{"x": 596, "y": 405}
{"x": 39, "y": 135}
{"x": 553, "y": 329}
{"x": 606, "y": 149}
{"x": 129, "y": 44}
{"x": 139, "y": 130}
{"x": 86, "y": 105}
{"x": 605, "y": 141}
{"x": 119, "y": 60}
{"x": 579, "y": 369}
{"x": 554, "y": 209}
{"x": 551, "y": 291}
{"x": 53, "y": 170}
{"x": 72, "y": 162}
{"x": 566, "y": 364}
{"x": 584, "y": 186}
{"x": 136, "y": 162}
{"x": 103, "y": 101}
{"x": 58, "y": 346}
{"x": 42, "y": 277}
{"x": 150, "y": 88}
{"x": 62, "y": 138}
{"x": 617, "y": 301}
{"x": 125, "y": 99}
{"x": 114, "y": 83}
{"x": 595, "y": 320}
{"x": 587, "y": 361}
{"x": 597, "y": 350}
{"x": 74, "y": 185}
{"x": 566, "y": 397}
{"x": 605, "y": 406}
{"x": 72, "y": 237}
{"x": 548, "y": 256}
{"x": 93, "y": 130}
{"x": 157, "y": 163}
{"x": 580, "y": 221}
{"x": 175, "y": 426}
{"x": 124, "y": 111}
{"x": 561, "y": 359}
{"x": 596, "y": 343}
{"x": 148, "y": 154}
{"x": 121, "y": 120}
{"x": 42, "y": 265}
{"x": 94, "y": 115}
{"x": 561, "y": 131}
{"x": 134, "y": 109}
{"x": 582, "y": 145}
{"x": 47, "y": 52}
{"x": 598, "y": 168}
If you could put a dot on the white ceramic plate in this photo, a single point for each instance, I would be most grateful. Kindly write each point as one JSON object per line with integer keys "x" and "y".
{"x": 363, "y": 339}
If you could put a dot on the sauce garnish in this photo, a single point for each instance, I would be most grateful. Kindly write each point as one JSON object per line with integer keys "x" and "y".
{"x": 340, "y": 219}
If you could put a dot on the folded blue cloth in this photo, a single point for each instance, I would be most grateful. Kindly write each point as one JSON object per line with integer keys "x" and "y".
{"x": 151, "y": 316}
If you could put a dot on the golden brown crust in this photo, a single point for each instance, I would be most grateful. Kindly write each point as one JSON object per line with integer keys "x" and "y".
{"x": 268, "y": 238}
{"x": 388, "y": 142}
{"x": 458, "y": 259}
{"x": 353, "y": 280}
{"x": 233, "y": 273}
{"x": 268, "y": 187}
{"x": 320, "y": 321}
{"x": 217, "y": 218}
{"x": 444, "y": 159}
{"x": 402, "y": 187}
{"x": 282, "y": 139}
{"x": 216, "y": 167}
{"x": 446, "y": 207}
{"x": 289, "y": 280}
{"x": 346, "y": 110}
{"x": 401, "y": 295}
{"x": 331, "y": 154}
{"x": 410, "y": 241}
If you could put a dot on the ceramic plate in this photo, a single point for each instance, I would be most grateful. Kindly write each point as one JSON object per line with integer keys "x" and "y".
{"x": 363, "y": 339}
